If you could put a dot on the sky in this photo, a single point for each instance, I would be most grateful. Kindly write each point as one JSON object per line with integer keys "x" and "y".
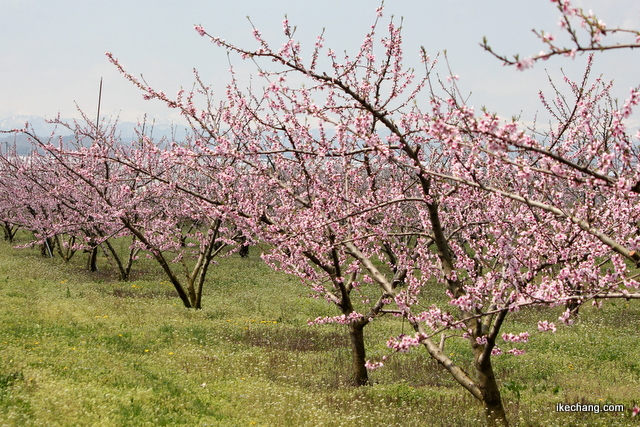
{"x": 52, "y": 52}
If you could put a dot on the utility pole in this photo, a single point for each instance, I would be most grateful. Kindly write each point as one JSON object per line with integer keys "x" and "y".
{"x": 99, "y": 100}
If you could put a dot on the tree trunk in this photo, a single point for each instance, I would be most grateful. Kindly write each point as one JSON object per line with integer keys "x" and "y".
{"x": 486, "y": 381}
{"x": 9, "y": 231}
{"x": 126, "y": 272}
{"x": 46, "y": 248}
{"x": 201, "y": 277}
{"x": 162, "y": 261}
{"x": 573, "y": 307}
{"x": 356, "y": 336}
{"x": 123, "y": 271}
{"x": 92, "y": 260}
{"x": 65, "y": 250}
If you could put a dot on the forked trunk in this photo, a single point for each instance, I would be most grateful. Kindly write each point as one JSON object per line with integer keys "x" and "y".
{"x": 65, "y": 248}
{"x": 9, "y": 231}
{"x": 124, "y": 271}
{"x": 163, "y": 263}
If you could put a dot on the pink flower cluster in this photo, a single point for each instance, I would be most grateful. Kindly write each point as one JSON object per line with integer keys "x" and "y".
{"x": 404, "y": 343}
{"x": 342, "y": 319}
{"x": 546, "y": 326}
{"x": 522, "y": 337}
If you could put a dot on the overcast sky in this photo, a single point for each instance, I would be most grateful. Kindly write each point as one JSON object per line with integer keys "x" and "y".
{"x": 52, "y": 51}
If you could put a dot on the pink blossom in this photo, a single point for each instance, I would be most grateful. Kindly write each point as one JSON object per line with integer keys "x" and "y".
{"x": 404, "y": 343}
{"x": 524, "y": 63}
{"x": 566, "y": 317}
{"x": 373, "y": 365}
{"x": 200, "y": 29}
{"x": 523, "y": 337}
{"x": 341, "y": 319}
{"x": 546, "y": 326}
{"x": 548, "y": 38}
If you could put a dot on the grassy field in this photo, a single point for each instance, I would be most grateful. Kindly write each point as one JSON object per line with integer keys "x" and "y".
{"x": 82, "y": 349}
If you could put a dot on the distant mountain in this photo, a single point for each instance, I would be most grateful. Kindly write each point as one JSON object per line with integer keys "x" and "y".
{"x": 154, "y": 130}
{"x": 22, "y": 143}
{"x": 39, "y": 125}
{"x": 43, "y": 129}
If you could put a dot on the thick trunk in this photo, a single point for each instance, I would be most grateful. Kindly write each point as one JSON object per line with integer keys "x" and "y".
{"x": 356, "y": 336}
{"x": 244, "y": 247}
{"x": 92, "y": 260}
{"x": 488, "y": 386}
{"x": 356, "y": 333}
{"x": 244, "y": 251}
{"x": 493, "y": 409}
{"x": 484, "y": 388}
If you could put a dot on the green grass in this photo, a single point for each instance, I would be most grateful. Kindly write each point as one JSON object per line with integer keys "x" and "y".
{"x": 82, "y": 349}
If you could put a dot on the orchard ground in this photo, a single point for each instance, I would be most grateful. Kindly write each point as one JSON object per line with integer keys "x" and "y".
{"x": 81, "y": 348}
